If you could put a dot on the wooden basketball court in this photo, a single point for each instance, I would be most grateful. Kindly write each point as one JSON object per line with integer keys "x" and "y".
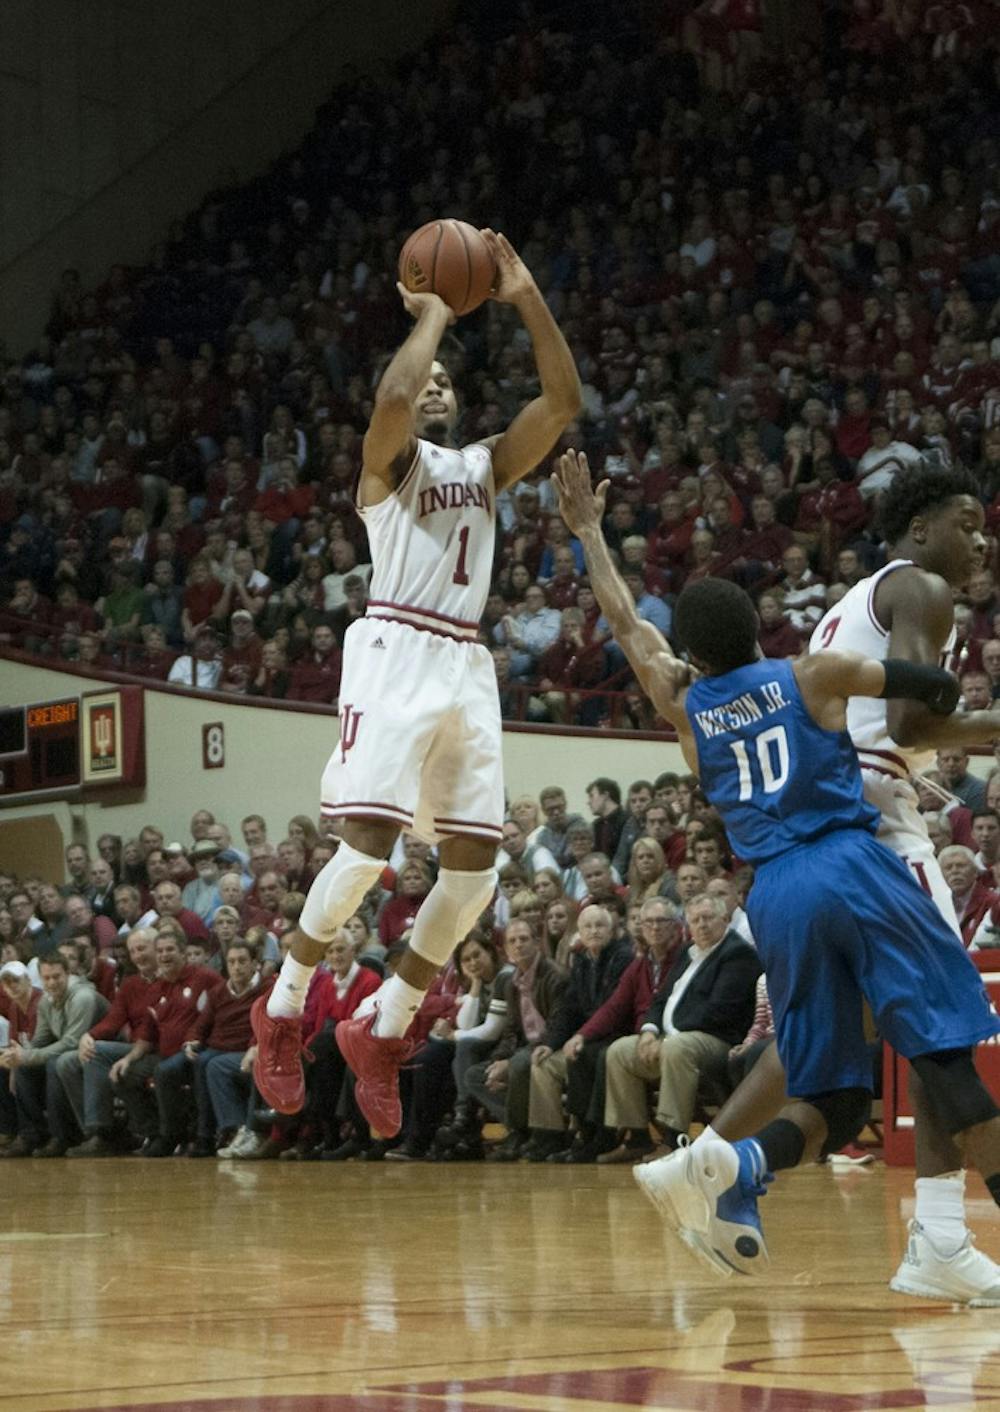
{"x": 243, "y": 1287}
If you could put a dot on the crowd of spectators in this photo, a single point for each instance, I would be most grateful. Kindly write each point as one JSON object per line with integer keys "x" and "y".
{"x": 125, "y": 990}
{"x": 778, "y": 272}
{"x": 608, "y": 997}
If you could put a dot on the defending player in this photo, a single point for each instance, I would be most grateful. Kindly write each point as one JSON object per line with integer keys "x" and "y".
{"x": 932, "y": 520}
{"x": 836, "y": 915}
{"x": 419, "y": 714}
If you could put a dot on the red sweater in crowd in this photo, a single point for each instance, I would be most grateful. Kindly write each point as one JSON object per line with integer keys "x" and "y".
{"x": 624, "y": 1010}
{"x": 397, "y": 917}
{"x": 22, "y": 1022}
{"x": 104, "y": 976}
{"x": 317, "y": 678}
{"x": 224, "y": 1022}
{"x": 323, "y": 1003}
{"x": 128, "y": 1010}
{"x": 173, "y": 1008}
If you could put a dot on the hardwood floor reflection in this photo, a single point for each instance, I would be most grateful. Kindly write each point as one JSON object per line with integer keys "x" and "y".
{"x": 264, "y": 1288}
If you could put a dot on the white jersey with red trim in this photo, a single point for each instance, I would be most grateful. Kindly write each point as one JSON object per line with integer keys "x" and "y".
{"x": 432, "y": 541}
{"x": 851, "y": 626}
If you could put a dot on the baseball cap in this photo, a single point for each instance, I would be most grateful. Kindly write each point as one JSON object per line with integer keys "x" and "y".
{"x": 205, "y": 848}
{"x": 17, "y": 969}
{"x": 174, "y": 848}
{"x": 242, "y": 613}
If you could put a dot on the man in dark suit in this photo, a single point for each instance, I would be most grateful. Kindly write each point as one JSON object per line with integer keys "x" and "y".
{"x": 594, "y": 975}
{"x": 705, "y": 1007}
{"x": 501, "y": 1083}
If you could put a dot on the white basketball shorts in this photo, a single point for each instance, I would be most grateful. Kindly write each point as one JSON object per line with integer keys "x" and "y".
{"x": 902, "y": 829}
{"x": 420, "y": 734}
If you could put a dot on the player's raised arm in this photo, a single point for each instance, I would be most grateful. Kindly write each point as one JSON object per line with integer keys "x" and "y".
{"x": 662, "y": 675}
{"x": 826, "y": 679}
{"x": 538, "y": 426}
{"x": 390, "y": 438}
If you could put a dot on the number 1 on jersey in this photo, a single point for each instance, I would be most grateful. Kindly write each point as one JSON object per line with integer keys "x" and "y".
{"x": 772, "y": 779}
{"x": 460, "y": 576}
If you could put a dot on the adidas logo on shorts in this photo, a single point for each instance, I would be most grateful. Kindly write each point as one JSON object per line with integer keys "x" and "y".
{"x": 379, "y": 643}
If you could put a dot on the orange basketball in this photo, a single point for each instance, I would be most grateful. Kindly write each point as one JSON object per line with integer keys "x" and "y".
{"x": 451, "y": 259}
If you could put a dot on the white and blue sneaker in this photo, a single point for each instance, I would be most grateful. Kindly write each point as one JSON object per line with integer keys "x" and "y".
{"x": 708, "y": 1195}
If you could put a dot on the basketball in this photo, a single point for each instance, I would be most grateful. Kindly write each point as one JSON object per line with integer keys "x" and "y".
{"x": 451, "y": 259}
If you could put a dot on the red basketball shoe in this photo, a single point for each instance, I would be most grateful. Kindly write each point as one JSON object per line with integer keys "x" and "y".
{"x": 375, "y": 1064}
{"x": 277, "y": 1069}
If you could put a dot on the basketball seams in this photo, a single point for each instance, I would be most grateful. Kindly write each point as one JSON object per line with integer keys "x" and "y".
{"x": 468, "y": 265}
{"x": 434, "y": 257}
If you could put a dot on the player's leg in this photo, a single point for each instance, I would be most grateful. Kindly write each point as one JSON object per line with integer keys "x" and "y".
{"x": 373, "y": 1044}
{"x": 755, "y": 1101}
{"x": 336, "y": 893}
{"x": 708, "y": 1192}
{"x": 808, "y": 941}
{"x": 928, "y": 999}
{"x": 941, "y": 1260}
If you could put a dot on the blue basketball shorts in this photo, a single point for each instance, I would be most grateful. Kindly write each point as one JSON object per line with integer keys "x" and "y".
{"x": 839, "y": 921}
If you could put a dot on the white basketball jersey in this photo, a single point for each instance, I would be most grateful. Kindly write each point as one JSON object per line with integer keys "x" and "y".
{"x": 851, "y": 626}
{"x": 432, "y": 542}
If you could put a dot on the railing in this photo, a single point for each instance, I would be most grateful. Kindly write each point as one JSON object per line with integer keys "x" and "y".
{"x": 601, "y": 708}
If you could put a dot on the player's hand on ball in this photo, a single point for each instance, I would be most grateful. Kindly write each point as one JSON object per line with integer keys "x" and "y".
{"x": 579, "y": 504}
{"x": 417, "y": 305}
{"x": 514, "y": 279}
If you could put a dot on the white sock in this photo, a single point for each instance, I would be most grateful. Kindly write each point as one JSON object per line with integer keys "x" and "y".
{"x": 396, "y": 1003}
{"x": 288, "y": 994}
{"x": 706, "y": 1135}
{"x": 940, "y": 1210}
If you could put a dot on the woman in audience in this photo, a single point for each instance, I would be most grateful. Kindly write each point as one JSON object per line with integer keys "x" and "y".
{"x": 429, "y": 1080}
{"x": 648, "y": 874}
{"x": 524, "y": 811}
{"x": 560, "y": 930}
{"x": 548, "y": 885}
{"x": 365, "y": 942}
{"x": 302, "y": 828}
{"x": 413, "y": 883}
{"x": 579, "y": 842}
{"x": 512, "y": 879}
{"x": 526, "y": 906}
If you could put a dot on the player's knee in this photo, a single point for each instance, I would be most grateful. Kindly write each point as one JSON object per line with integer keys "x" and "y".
{"x": 369, "y": 836}
{"x": 338, "y": 890}
{"x": 845, "y": 1112}
{"x": 954, "y": 1089}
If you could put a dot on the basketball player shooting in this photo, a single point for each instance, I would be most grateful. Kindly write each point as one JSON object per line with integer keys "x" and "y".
{"x": 837, "y": 916}
{"x": 419, "y": 711}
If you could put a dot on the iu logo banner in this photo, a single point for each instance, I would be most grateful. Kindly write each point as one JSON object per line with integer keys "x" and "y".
{"x": 102, "y": 738}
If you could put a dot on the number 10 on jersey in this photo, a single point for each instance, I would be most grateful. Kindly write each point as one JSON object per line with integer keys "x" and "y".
{"x": 772, "y": 762}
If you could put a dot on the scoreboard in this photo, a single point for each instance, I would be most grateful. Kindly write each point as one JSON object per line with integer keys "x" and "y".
{"x": 62, "y": 747}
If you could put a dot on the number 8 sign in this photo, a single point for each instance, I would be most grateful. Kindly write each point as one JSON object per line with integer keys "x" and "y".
{"x": 213, "y": 745}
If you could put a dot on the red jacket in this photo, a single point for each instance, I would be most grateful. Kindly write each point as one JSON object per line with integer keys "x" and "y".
{"x": 625, "y": 1009}
{"x": 22, "y": 1022}
{"x": 281, "y": 505}
{"x": 104, "y": 976}
{"x": 174, "y": 1006}
{"x": 981, "y": 900}
{"x": 224, "y": 1023}
{"x": 128, "y": 1010}
{"x": 398, "y": 915}
{"x": 314, "y": 680}
{"x": 323, "y": 1003}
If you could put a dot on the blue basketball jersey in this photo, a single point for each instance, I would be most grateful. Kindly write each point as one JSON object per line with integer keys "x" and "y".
{"x": 776, "y": 777}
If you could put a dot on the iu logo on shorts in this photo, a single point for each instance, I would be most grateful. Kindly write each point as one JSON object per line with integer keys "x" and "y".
{"x": 349, "y": 722}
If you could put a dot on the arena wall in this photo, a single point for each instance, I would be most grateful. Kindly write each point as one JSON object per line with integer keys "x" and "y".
{"x": 116, "y": 119}
{"x": 273, "y": 762}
